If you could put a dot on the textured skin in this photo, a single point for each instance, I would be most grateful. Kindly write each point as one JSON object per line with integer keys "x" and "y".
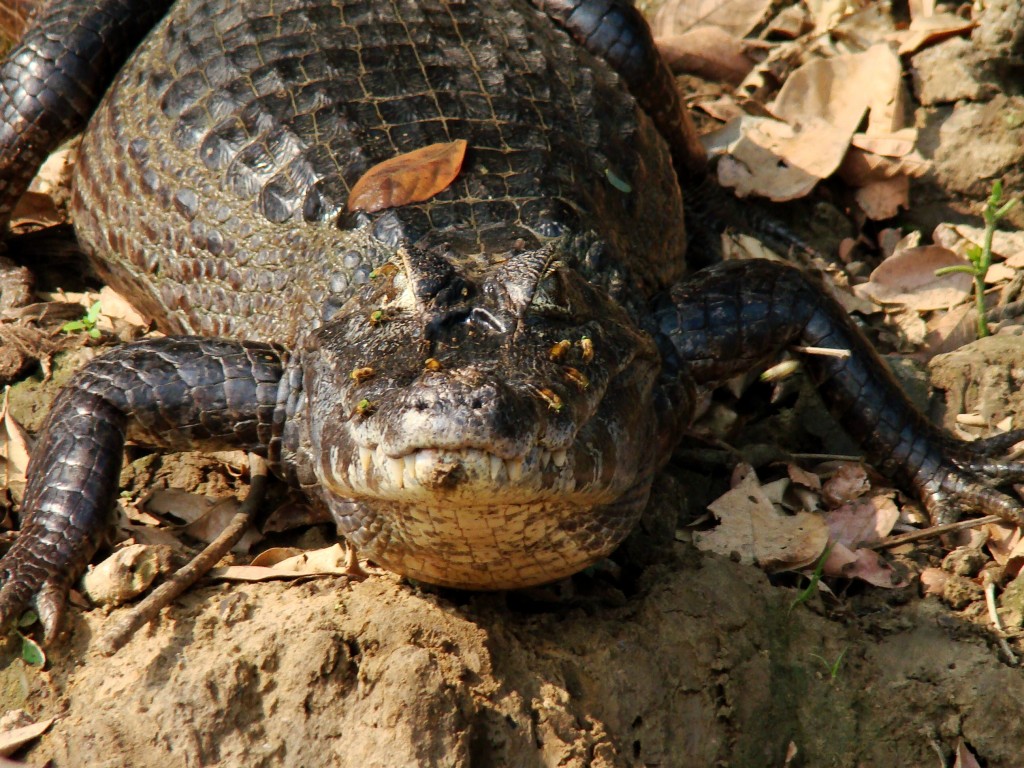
{"x": 50, "y": 82}
{"x": 480, "y": 387}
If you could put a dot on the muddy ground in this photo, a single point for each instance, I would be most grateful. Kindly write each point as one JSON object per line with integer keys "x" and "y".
{"x": 664, "y": 657}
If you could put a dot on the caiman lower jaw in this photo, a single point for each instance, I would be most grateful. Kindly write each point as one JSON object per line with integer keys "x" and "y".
{"x": 466, "y": 476}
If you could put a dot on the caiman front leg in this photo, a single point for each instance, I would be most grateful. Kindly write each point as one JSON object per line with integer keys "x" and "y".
{"x": 733, "y": 318}
{"x": 179, "y": 393}
{"x": 51, "y": 82}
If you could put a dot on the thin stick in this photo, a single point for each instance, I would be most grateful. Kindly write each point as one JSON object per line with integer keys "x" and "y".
{"x": 823, "y": 351}
{"x": 144, "y": 612}
{"x": 929, "y": 533}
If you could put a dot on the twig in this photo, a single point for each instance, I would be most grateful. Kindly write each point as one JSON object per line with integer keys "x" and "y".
{"x": 823, "y": 351}
{"x": 929, "y": 533}
{"x": 147, "y": 610}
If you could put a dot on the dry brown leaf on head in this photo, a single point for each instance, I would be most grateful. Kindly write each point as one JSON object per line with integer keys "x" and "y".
{"x": 908, "y": 278}
{"x": 750, "y": 529}
{"x": 408, "y": 178}
{"x": 737, "y": 17}
{"x": 706, "y": 52}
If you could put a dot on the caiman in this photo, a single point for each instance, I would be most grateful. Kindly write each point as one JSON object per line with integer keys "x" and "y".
{"x": 479, "y": 386}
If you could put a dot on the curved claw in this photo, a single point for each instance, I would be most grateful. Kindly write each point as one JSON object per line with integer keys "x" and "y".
{"x": 955, "y": 490}
{"x": 27, "y": 583}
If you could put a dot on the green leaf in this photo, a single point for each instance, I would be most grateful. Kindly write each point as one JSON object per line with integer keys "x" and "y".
{"x": 28, "y": 618}
{"x": 32, "y": 653}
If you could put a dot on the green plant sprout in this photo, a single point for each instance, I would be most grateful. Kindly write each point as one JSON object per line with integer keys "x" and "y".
{"x": 87, "y": 323}
{"x": 833, "y": 667}
{"x": 980, "y": 256}
{"x": 812, "y": 586}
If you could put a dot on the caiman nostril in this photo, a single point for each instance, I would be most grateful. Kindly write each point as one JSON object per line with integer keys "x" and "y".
{"x": 487, "y": 319}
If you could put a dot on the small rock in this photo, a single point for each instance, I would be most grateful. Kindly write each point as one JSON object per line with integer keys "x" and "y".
{"x": 950, "y": 71}
{"x": 965, "y": 561}
{"x": 961, "y": 592}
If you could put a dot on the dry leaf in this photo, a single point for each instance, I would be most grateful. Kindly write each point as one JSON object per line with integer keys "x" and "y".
{"x": 883, "y": 199}
{"x": 751, "y": 529}
{"x": 409, "y": 178}
{"x": 848, "y": 482}
{"x": 864, "y": 564}
{"x": 841, "y": 90}
{"x": 14, "y": 739}
{"x": 863, "y": 521}
{"x": 206, "y": 517}
{"x": 925, "y": 30}
{"x": 933, "y": 581}
{"x": 803, "y": 477}
{"x": 908, "y": 278}
{"x": 1002, "y": 541}
{"x": 897, "y": 144}
{"x": 706, "y": 52}
{"x": 774, "y": 160}
{"x": 331, "y": 561}
{"x": 15, "y": 449}
{"x": 950, "y": 330}
{"x": 964, "y": 757}
{"x": 958, "y": 237}
{"x": 737, "y": 17}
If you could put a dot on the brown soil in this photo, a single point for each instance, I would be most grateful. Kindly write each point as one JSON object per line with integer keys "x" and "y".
{"x": 669, "y": 658}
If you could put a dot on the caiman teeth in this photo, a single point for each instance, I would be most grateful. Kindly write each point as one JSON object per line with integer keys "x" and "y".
{"x": 514, "y": 467}
{"x": 497, "y": 467}
{"x": 396, "y": 470}
{"x": 421, "y": 467}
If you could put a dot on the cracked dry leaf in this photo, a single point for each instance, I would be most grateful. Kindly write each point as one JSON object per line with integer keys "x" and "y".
{"x": 737, "y": 17}
{"x": 750, "y": 528}
{"x": 774, "y": 160}
{"x": 819, "y": 109}
{"x": 329, "y": 561}
{"x": 408, "y": 178}
{"x": 205, "y": 517}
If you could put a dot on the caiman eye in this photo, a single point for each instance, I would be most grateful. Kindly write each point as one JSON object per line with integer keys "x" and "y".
{"x": 554, "y": 297}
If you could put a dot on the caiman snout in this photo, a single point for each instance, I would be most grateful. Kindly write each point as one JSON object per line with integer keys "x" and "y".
{"x": 459, "y": 410}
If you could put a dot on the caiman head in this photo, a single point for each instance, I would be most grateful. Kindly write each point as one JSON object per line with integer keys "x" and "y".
{"x": 483, "y": 422}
